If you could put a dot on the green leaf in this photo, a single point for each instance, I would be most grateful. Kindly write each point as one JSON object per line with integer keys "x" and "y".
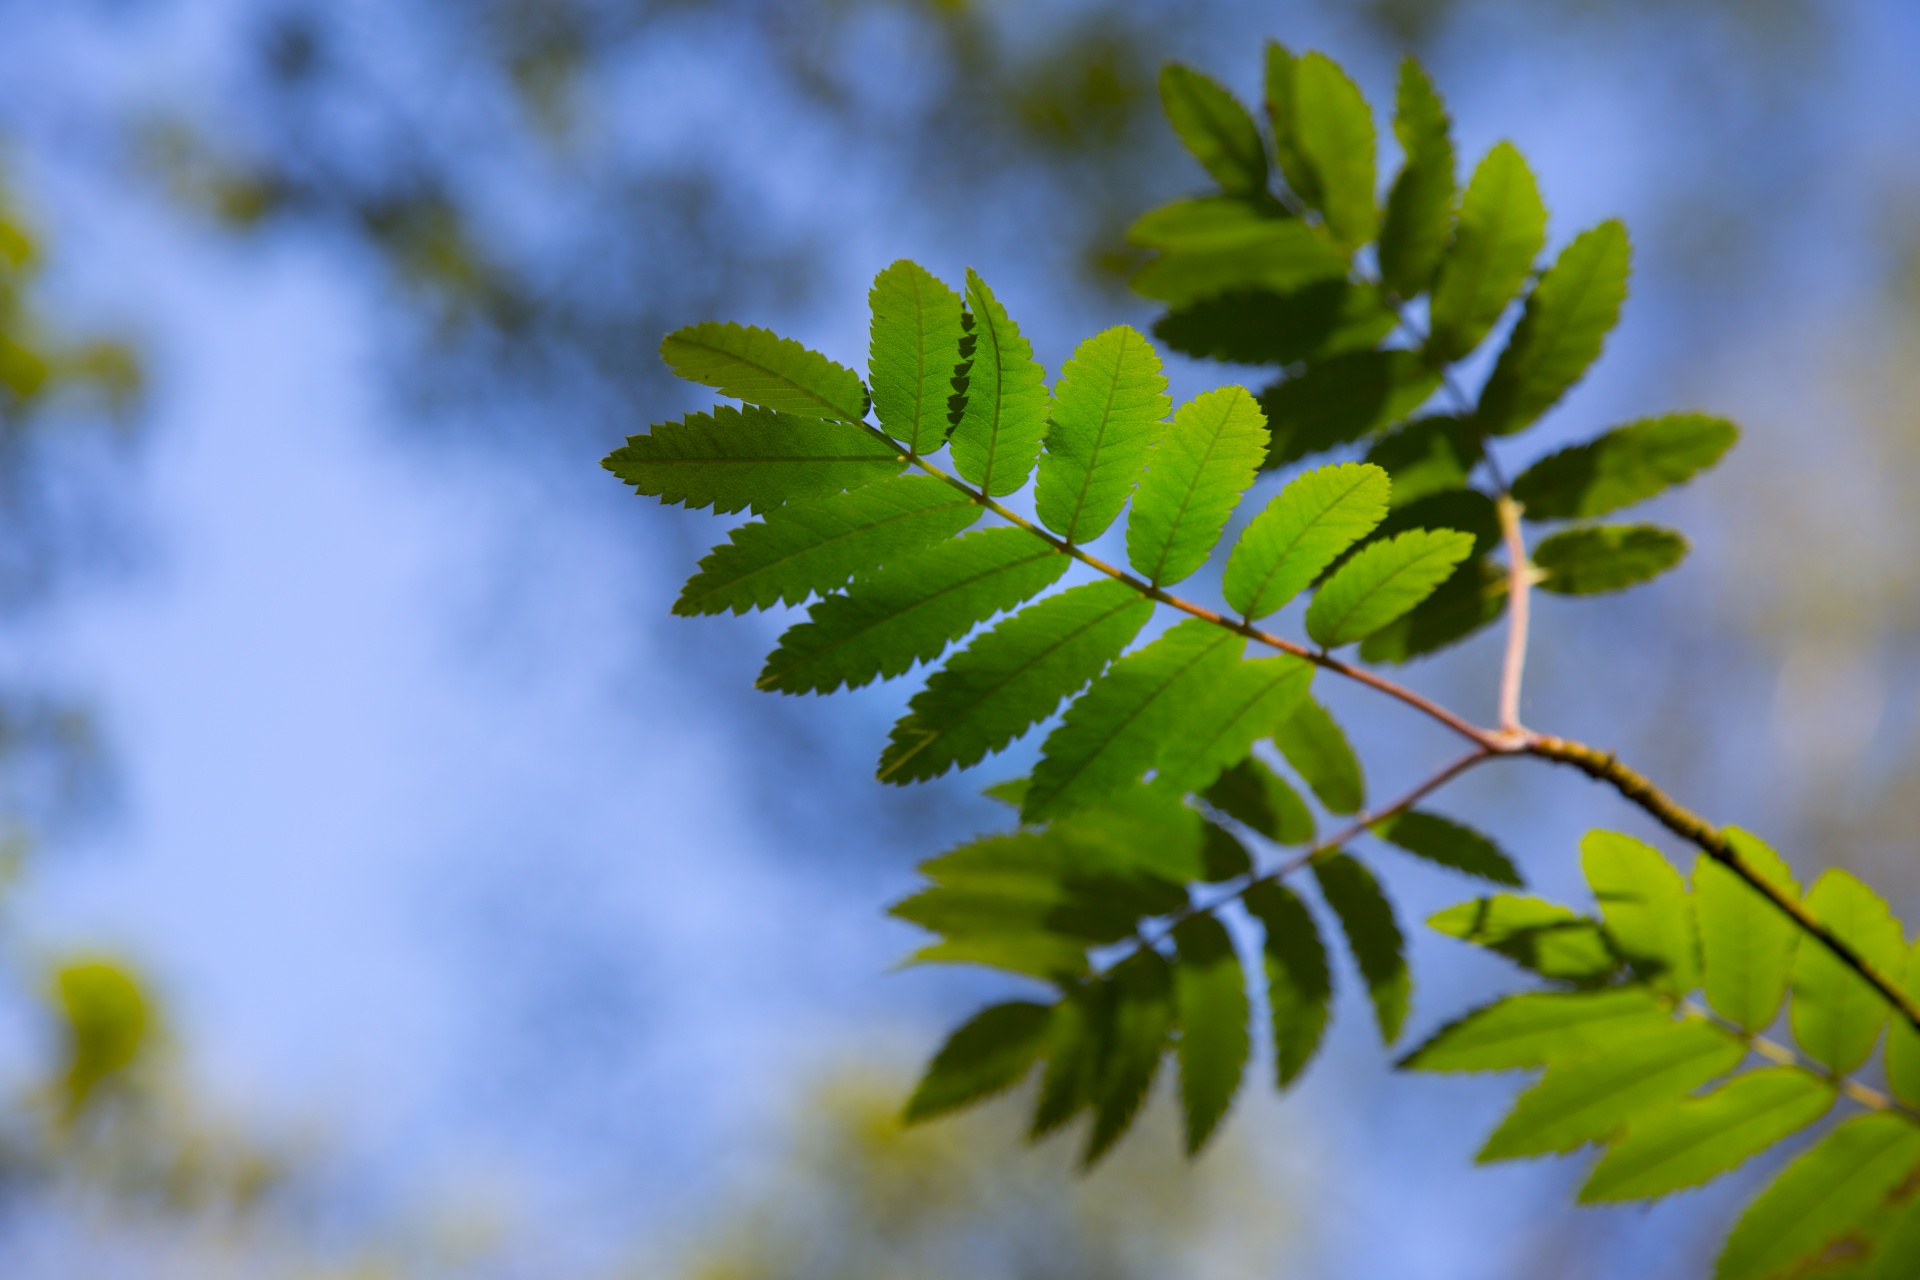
{"x": 1372, "y": 935}
{"x": 1011, "y": 678}
{"x": 1501, "y": 229}
{"x": 1903, "y": 1042}
{"x": 914, "y": 353}
{"x": 1211, "y": 247}
{"x": 1627, "y": 465}
{"x": 1420, "y": 206}
{"x": 1073, "y": 1050}
{"x": 1468, "y": 601}
{"x": 1260, "y": 326}
{"x": 1145, "y": 829}
{"x": 1224, "y": 856}
{"x": 1195, "y": 475}
{"x": 998, "y": 435}
{"x": 1645, "y": 903}
{"x": 1333, "y": 129}
{"x": 1317, "y": 516}
{"x": 1566, "y": 321}
{"x": 1142, "y": 1019}
{"x": 1609, "y": 557}
{"x": 813, "y": 547}
{"x": 1299, "y": 985}
{"x": 1543, "y": 937}
{"x": 1210, "y": 994}
{"x": 1283, "y": 115}
{"x": 762, "y": 368}
{"x": 1247, "y": 704}
{"x": 1438, "y": 839}
{"x": 1540, "y": 1028}
{"x": 1698, "y": 1139}
{"x": 1341, "y": 399}
{"x": 1823, "y": 1195}
{"x": 1746, "y": 943}
{"x": 910, "y": 611}
{"x": 993, "y": 1051}
{"x": 1034, "y": 953}
{"x": 1896, "y": 1253}
{"x": 1468, "y": 510}
{"x": 1113, "y": 733}
{"x": 735, "y": 458}
{"x": 1591, "y": 1099}
{"x": 1107, "y": 412}
{"x": 1255, "y": 795}
{"x": 1215, "y": 128}
{"x": 1316, "y": 748}
{"x": 1836, "y": 1015}
{"x": 1382, "y": 582}
{"x": 1427, "y": 456}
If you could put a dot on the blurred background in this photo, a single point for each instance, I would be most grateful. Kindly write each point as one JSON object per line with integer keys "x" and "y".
{"x": 393, "y": 889}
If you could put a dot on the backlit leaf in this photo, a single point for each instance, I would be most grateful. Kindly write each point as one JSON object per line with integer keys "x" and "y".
{"x": 752, "y": 457}
{"x": 762, "y": 368}
{"x": 1316, "y": 748}
{"x": 1203, "y": 462}
{"x": 1543, "y": 937}
{"x": 998, "y": 435}
{"x": 1307, "y": 525}
{"x": 910, "y": 611}
{"x": 1539, "y": 1028}
{"x": 1472, "y": 598}
{"x": 1382, "y": 582}
{"x": 1261, "y": 326}
{"x": 1210, "y": 995}
{"x": 1333, "y": 128}
{"x": 1251, "y": 793}
{"x": 1215, "y": 128}
{"x": 1428, "y": 455}
{"x": 914, "y": 353}
{"x": 1448, "y": 843}
{"x": 993, "y": 1051}
{"x": 1836, "y": 1015}
{"x": 1746, "y": 943}
{"x": 1142, "y": 1019}
{"x": 1107, "y": 412}
{"x": 1283, "y": 113}
{"x": 1821, "y": 1196}
{"x": 1420, "y": 206}
{"x": 1011, "y": 678}
{"x": 1342, "y": 399}
{"x": 1248, "y": 703}
{"x": 1648, "y": 913}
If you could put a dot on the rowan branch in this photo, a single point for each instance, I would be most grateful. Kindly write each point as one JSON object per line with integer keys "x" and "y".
{"x": 1519, "y": 586}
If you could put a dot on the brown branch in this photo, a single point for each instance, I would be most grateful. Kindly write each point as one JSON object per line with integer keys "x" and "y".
{"x": 1519, "y": 584}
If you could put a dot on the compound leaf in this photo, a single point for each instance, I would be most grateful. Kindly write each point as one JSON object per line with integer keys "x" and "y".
{"x": 1448, "y": 843}
{"x": 1207, "y": 457}
{"x": 993, "y": 1051}
{"x": 1333, "y": 128}
{"x": 1107, "y": 412}
{"x": 1210, "y": 997}
{"x": 1645, "y": 904}
{"x": 998, "y": 435}
{"x": 914, "y": 353}
{"x": 1114, "y": 732}
{"x": 1313, "y": 744}
{"x": 1698, "y": 1139}
{"x": 1299, "y": 985}
{"x": 1316, "y": 517}
{"x": 1566, "y": 321}
{"x": 1746, "y": 944}
{"x": 1836, "y": 1015}
{"x": 1591, "y": 1099}
{"x": 910, "y": 611}
{"x": 761, "y": 368}
{"x": 752, "y": 457}
{"x": 1382, "y": 582}
{"x": 1539, "y": 1028}
{"x": 1372, "y": 935}
{"x": 1251, "y": 793}
{"x": 814, "y": 547}
{"x": 1501, "y": 228}
{"x": 1627, "y": 465}
{"x": 1215, "y": 128}
{"x": 1011, "y": 678}
{"x": 1612, "y": 557}
{"x": 1824, "y": 1194}
{"x": 1420, "y": 206}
